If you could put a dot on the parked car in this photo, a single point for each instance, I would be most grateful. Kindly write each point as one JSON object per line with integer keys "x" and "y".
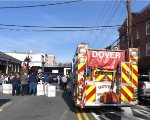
{"x": 144, "y": 88}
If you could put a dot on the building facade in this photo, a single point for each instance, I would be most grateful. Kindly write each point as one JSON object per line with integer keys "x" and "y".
{"x": 50, "y": 61}
{"x": 35, "y": 59}
{"x": 140, "y": 38}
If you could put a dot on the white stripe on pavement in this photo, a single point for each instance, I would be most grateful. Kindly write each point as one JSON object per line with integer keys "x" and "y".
{"x": 144, "y": 107}
{"x": 95, "y": 116}
{"x": 141, "y": 112}
{"x": 102, "y": 115}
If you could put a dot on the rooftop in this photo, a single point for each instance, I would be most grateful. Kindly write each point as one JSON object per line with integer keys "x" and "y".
{"x": 8, "y": 58}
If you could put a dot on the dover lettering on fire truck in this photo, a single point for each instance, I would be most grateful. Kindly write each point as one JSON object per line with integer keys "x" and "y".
{"x": 104, "y": 77}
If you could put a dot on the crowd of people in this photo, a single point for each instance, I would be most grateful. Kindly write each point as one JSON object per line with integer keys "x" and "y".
{"x": 26, "y": 84}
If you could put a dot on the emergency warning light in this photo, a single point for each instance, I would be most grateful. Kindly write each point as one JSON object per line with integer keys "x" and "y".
{"x": 133, "y": 53}
{"x": 82, "y": 50}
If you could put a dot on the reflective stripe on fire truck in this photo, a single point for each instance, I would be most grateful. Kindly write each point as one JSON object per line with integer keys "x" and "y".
{"x": 90, "y": 93}
{"x": 126, "y": 89}
{"x": 133, "y": 58}
{"x": 103, "y": 77}
{"x": 99, "y": 78}
{"x": 82, "y": 59}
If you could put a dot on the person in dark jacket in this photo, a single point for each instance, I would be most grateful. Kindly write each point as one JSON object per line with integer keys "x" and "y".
{"x": 15, "y": 85}
{"x": 32, "y": 83}
{"x": 46, "y": 79}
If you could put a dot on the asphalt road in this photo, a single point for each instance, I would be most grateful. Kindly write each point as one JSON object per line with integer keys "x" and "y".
{"x": 32, "y": 107}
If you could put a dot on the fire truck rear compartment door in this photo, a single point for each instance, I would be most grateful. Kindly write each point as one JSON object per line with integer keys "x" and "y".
{"x": 101, "y": 87}
{"x": 90, "y": 93}
{"x": 126, "y": 89}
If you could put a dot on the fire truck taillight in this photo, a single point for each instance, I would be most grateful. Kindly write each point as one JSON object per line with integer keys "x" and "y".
{"x": 135, "y": 90}
{"x": 135, "y": 97}
{"x": 82, "y": 60}
{"x": 135, "y": 93}
{"x": 80, "y": 93}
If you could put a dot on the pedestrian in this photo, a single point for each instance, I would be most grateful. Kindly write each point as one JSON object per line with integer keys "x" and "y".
{"x": 15, "y": 85}
{"x": 50, "y": 79}
{"x": 11, "y": 76}
{"x": 3, "y": 78}
{"x": 58, "y": 79}
{"x": 6, "y": 79}
{"x": 64, "y": 80}
{"x": 46, "y": 79}
{"x": 32, "y": 83}
{"x": 24, "y": 84}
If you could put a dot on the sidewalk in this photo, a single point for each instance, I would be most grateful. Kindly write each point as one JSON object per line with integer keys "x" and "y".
{"x": 1, "y": 88}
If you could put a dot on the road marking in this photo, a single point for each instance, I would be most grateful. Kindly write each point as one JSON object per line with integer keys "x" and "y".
{"x": 141, "y": 112}
{"x": 103, "y": 116}
{"x": 85, "y": 115}
{"x": 95, "y": 116}
{"x": 5, "y": 105}
{"x": 127, "y": 111}
{"x": 78, "y": 114}
{"x": 63, "y": 115}
{"x": 98, "y": 117}
{"x": 144, "y": 107}
{"x": 127, "y": 114}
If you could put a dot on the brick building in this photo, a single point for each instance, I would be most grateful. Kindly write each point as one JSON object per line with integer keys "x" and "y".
{"x": 140, "y": 37}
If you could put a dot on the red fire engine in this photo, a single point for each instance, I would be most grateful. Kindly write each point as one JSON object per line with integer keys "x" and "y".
{"x": 104, "y": 77}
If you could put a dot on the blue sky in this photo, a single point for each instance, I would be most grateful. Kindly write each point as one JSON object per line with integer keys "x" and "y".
{"x": 62, "y": 44}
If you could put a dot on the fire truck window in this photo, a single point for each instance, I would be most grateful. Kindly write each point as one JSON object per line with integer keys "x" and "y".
{"x": 99, "y": 73}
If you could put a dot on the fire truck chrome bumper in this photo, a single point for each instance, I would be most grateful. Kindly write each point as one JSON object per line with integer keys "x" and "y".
{"x": 94, "y": 104}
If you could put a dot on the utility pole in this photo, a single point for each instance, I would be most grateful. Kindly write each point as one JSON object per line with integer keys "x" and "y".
{"x": 129, "y": 24}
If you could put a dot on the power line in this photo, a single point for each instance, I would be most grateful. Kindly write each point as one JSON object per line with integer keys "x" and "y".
{"x": 113, "y": 11}
{"x": 105, "y": 15}
{"x": 66, "y": 27}
{"x": 98, "y": 19}
{"x": 52, "y": 30}
{"x": 119, "y": 20}
{"x": 101, "y": 14}
{"x": 41, "y": 5}
{"x": 111, "y": 32}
